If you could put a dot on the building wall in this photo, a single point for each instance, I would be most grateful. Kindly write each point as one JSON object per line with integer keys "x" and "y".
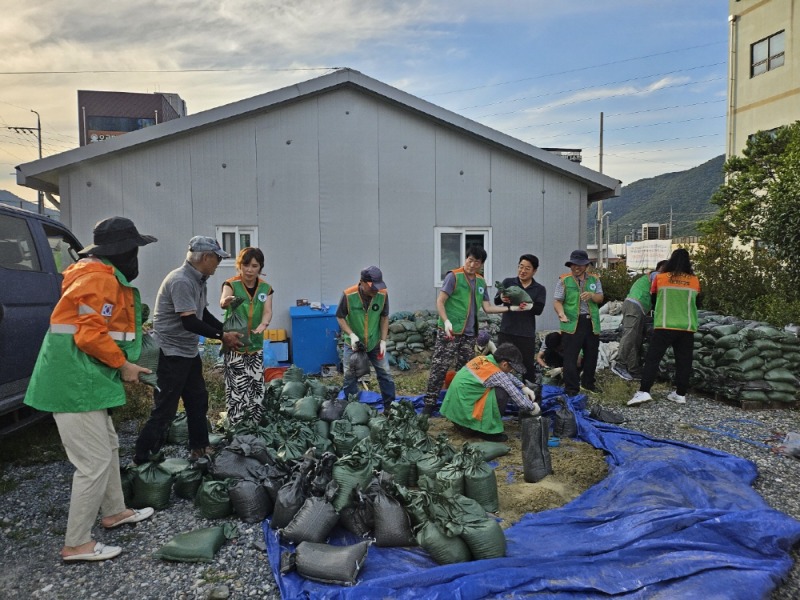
{"x": 770, "y": 99}
{"x": 334, "y": 183}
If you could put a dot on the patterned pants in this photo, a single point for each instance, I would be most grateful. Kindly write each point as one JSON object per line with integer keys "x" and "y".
{"x": 447, "y": 354}
{"x": 244, "y": 386}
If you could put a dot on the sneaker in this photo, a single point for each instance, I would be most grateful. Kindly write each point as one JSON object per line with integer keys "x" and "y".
{"x": 639, "y": 397}
{"x": 676, "y": 398}
{"x": 620, "y": 372}
{"x": 494, "y": 437}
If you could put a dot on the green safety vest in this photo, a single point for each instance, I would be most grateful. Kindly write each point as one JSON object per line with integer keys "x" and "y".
{"x": 366, "y": 324}
{"x": 252, "y": 308}
{"x": 457, "y": 305}
{"x": 572, "y": 303}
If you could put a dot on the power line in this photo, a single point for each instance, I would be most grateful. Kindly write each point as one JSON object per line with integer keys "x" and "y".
{"x": 111, "y": 71}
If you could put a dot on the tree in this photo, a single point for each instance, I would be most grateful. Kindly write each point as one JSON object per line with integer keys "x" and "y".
{"x": 760, "y": 200}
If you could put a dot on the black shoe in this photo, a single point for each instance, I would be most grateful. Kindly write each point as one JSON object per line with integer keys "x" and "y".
{"x": 598, "y": 413}
{"x": 428, "y": 409}
{"x": 494, "y": 437}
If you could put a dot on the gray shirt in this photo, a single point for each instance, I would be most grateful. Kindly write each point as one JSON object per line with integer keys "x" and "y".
{"x": 183, "y": 290}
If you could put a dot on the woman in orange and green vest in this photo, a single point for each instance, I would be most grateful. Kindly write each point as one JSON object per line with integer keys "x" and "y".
{"x": 363, "y": 317}
{"x": 674, "y": 322}
{"x": 477, "y": 396}
{"x": 577, "y": 300}
{"x": 244, "y": 368}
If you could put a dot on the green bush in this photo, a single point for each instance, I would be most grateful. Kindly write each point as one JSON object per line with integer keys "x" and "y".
{"x": 616, "y": 282}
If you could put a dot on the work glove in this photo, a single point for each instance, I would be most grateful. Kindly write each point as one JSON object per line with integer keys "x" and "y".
{"x": 522, "y": 306}
{"x": 448, "y": 328}
{"x": 382, "y": 349}
{"x": 353, "y": 341}
{"x": 529, "y": 393}
{"x": 555, "y": 372}
{"x": 535, "y": 410}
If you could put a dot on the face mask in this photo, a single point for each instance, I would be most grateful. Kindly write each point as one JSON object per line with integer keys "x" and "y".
{"x": 127, "y": 263}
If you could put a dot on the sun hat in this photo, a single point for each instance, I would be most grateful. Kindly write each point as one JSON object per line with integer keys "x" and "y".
{"x": 577, "y": 257}
{"x": 115, "y": 235}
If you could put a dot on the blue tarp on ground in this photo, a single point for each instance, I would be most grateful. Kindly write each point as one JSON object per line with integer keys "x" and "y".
{"x": 671, "y": 520}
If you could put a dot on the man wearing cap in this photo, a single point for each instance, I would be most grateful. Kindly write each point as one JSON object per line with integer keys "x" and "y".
{"x": 94, "y": 338}
{"x": 464, "y": 291}
{"x": 476, "y": 398}
{"x": 363, "y": 316}
{"x": 181, "y": 316}
{"x": 577, "y": 300}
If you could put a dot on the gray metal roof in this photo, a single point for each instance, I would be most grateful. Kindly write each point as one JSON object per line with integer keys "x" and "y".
{"x": 43, "y": 174}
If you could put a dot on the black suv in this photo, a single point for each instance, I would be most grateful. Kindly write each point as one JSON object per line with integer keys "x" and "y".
{"x": 34, "y": 250}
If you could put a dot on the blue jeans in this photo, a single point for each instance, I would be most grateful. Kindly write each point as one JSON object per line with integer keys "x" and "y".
{"x": 382, "y": 371}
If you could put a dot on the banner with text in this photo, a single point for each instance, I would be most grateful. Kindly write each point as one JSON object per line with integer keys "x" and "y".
{"x": 645, "y": 255}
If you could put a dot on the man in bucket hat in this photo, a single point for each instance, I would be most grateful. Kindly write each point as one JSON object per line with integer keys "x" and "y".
{"x": 476, "y": 398}
{"x": 94, "y": 338}
{"x": 576, "y": 299}
{"x": 181, "y": 316}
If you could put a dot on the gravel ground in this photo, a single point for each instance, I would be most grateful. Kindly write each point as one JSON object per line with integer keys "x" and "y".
{"x": 33, "y": 517}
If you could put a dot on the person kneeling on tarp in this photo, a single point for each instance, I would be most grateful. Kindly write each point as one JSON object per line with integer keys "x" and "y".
{"x": 478, "y": 395}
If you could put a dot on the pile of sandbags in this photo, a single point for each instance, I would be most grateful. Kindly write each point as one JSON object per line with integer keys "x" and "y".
{"x": 412, "y": 336}
{"x": 743, "y": 360}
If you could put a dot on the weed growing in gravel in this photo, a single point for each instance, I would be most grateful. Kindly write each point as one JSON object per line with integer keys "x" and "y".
{"x": 213, "y": 576}
{"x": 6, "y": 486}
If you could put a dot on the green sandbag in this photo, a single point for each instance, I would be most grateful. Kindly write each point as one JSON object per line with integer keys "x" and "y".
{"x": 213, "y": 500}
{"x": 780, "y": 375}
{"x": 187, "y": 482}
{"x": 178, "y": 432}
{"x": 451, "y": 477}
{"x": 485, "y": 539}
{"x": 152, "y": 486}
{"x": 514, "y": 293}
{"x": 199, "y": 545}
{"x": 480, "y": 483}
{"x": 306, "y": 409}
{"x": 149, "y": 360}
{"x": 174, "y": 465}
{"x": 782, "y": 386}
{"x": 354, "y": 469}
{"x": 443, "y": 549}
{"x": 237, "y": 322}
{"x": 490, "y": 450}
{"x": 734, "y": 340}
{"x": 357, "y": 413}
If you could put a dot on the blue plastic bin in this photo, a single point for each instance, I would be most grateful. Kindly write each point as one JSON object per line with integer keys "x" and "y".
{"x": 314, "y": 334}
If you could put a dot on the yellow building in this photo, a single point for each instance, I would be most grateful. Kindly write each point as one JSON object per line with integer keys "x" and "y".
{"x": 764, "y": 68}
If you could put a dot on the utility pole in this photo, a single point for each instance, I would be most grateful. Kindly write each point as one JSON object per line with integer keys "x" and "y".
{"x": 38, "y": 130}
{"x": 599, "y": 226}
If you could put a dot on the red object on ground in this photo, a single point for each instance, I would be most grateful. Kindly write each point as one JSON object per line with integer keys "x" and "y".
{"x": 271, "y": 373}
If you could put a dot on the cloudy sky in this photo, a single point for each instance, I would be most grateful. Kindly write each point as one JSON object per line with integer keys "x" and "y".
{"x": 539, "y": 70}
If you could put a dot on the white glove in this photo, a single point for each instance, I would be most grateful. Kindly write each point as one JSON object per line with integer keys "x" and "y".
{"x": 535, "y": 410}
{"x": 523, "y": 306}
{"x": 382, "y": 350}
{"x": 448, "y": 328}
{"x": 555, "y": 372}
{"x": 353, "y": 341}
{"x": 529, "y": 393}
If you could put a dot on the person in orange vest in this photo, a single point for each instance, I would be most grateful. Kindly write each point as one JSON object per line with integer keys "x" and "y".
{"x": 464, "y": 291}
{"x": 244, "y": 367}
{"x": 363, "y": 317}
{"x": 476, "y": 398}
{"x": 94, "y": 339}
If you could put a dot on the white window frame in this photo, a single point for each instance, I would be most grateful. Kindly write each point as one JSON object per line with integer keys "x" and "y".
{"x": 486, "y": 232}
{"x": 237, "y": 231}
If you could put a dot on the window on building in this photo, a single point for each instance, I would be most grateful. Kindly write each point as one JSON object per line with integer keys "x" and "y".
{"x": 234, "y": 238}
{"x": 767, "y": 54}
{"x": 451, "y": 245}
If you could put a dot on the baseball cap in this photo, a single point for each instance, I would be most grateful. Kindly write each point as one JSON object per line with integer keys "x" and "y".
{"x": 511, "y": 354}
{"x": 200, "y": 243}
{"x": 374, "y": 276}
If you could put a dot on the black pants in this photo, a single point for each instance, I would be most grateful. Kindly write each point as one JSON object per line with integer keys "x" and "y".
{"x": 572, "y": 343}
{"x": 527, "y": 347}
{"x": 682, "y": 343}
{"x": 178, "y": 378}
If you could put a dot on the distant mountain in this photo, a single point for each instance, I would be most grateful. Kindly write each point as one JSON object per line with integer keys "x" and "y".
{"x": 688, "y": 193}
{"x": 7, "y": 197}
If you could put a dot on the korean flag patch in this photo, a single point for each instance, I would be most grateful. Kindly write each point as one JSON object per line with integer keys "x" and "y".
{"x": 107, "y": 310}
